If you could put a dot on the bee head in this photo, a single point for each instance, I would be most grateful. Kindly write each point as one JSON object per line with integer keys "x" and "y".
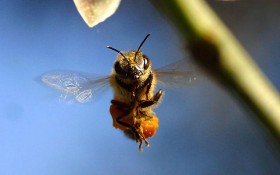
{"x": 130, "y": 68}
{"x": 133, "y": 65}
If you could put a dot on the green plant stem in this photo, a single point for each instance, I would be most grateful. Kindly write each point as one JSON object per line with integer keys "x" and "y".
{"x": 220, "y": 54}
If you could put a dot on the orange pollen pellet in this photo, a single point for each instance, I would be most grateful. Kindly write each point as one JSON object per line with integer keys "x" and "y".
{"x": 150, "y": 126}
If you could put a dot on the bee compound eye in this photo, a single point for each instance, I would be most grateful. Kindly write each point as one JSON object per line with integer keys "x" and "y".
{"x": 139, "y": 61}
{"x": 146, "y": 63}
{"x": 119, "y": 70}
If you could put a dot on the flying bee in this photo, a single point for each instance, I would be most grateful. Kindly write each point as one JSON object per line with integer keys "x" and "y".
{"x": 133, "y": 81}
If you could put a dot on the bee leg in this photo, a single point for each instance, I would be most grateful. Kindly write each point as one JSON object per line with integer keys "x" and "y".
{"x": 145, "y": 140}
{"x": 149, "y": 80}
{"x": 140, "y": 146}
{"x": 140, "y": 138}
{"x": 147, "y": 90}
{"x": 138, "y": 135}
{"x": 141, "y": 142}
{"x": 126, "y": 107}
{"x": 118, "y": 119}
{"x": 152, "y": 101}
{"x": 122, "y": 105}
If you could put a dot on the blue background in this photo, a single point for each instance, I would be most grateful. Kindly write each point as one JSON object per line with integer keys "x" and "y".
{"x": 203, "y": 129}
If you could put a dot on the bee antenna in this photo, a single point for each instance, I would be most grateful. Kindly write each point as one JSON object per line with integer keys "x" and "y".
{"x": 116, "y": 50}
{"x": 141, "y": 46}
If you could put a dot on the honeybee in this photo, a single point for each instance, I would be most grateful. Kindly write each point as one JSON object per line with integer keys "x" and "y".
{"x": 133, "y": 81}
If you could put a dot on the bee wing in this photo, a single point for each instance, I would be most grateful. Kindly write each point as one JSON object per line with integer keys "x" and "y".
{"x": 178, "y": 74}
{"x": 76, "y": 86}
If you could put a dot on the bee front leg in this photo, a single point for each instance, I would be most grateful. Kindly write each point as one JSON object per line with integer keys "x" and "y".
{"x": 147, "y": 90}
{"x": 121, "y": 105}
{"x": 152, "y": 101}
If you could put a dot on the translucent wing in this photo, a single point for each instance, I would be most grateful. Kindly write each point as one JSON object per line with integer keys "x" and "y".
{"x": 76, "y": 86}
{"x": 178, "y": 74}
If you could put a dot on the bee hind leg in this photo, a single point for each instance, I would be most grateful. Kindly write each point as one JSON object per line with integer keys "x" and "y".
{"x": 140, "y": 138}
{"x": 132, "y": 131}
{"x": 120, "y": 122}
{"x": 126, "y": 108}
{"x": 136, "y": 134}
